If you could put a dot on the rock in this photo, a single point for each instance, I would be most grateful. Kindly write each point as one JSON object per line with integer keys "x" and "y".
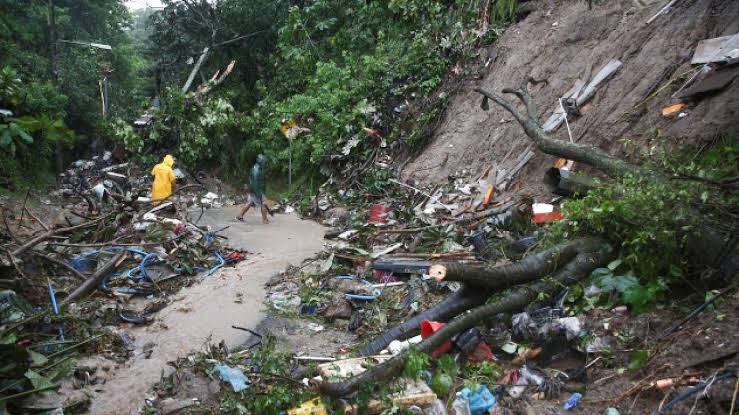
{"x": 173, "y": 406}
{"x": 50, "y": 400}
{"x": 338, "y": 307}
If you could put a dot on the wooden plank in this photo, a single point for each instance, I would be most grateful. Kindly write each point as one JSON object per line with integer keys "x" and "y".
{"x": 522, "y": 160}
{"x": 716, "y": 49}
{"x": 558, "y": 117}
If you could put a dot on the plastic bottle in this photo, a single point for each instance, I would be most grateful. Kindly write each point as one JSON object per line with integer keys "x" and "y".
{"x": 460, "y": 406}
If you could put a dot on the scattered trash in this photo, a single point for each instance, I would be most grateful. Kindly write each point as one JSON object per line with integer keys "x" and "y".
{"x": 312, "y": 407}
{"x": 572, "y": 401}
{"x": 234, "y": 376}
{"x": 672, "y": 110}
{"x": 480, "y": 401}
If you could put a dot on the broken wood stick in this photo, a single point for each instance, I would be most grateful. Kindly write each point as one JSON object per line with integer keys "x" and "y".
{"x": 44, "y": 236}
{"x": 583, "y": 153}
{"x": 91, "y": 284}
{"x": 594, "y": 253}
{"x": 61, "y": 264}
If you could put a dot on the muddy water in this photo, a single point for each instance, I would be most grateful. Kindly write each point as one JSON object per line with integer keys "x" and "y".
{"x": 206, "y": 311}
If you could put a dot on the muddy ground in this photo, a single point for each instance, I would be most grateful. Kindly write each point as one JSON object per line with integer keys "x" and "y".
{"x": 204, "y": 312}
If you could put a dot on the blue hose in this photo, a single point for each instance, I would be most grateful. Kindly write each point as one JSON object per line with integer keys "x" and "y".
{"x": 55, "y": 307}
{"x": 376, "y": 293}
{"x": 221, "y": 262}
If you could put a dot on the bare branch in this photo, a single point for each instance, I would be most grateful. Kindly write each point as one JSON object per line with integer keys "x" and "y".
{"x": 588, "y": 154}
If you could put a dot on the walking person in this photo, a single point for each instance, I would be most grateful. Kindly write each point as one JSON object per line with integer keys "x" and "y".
{"x": 256, "y": 190}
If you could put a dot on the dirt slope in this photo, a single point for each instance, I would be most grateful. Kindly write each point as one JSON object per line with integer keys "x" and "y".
{"x": 563, "y": 41}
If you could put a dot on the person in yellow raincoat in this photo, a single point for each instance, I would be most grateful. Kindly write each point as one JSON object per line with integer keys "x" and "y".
{"x": 163, "y": 179}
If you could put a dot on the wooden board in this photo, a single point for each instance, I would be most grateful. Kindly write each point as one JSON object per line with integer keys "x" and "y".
{"x": 716, "y": 49}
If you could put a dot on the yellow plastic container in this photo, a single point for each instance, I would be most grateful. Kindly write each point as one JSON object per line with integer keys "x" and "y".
{"x": 312, "y": 407}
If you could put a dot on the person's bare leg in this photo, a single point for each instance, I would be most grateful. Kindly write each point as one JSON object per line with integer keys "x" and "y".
{"x": 243, "y": 212}
{"x": 264, "y": 215}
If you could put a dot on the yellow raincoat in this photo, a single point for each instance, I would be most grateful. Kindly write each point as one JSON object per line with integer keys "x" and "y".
{"x": 163, "y": 179}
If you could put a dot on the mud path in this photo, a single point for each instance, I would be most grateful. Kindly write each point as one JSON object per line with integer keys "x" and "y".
{"x": 205, "y": 311}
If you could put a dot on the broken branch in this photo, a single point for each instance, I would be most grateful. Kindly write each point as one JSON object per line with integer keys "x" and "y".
{"x": 583, "y": 153}
{"x": 91, "y": 284}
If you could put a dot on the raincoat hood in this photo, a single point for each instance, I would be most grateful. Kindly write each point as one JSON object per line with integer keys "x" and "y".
{"x": 168, "y": 160}
{"x": 261, "y": 160}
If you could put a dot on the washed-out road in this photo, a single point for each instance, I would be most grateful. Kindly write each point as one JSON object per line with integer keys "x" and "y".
{"x": 206, "y": 311}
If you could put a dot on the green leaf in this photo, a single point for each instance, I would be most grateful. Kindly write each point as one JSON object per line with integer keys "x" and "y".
{"x": 5, "y": 137}
{"x": 37, "y": 358}
{"x": 638, "y": 296}
{"x": 38, "y": 381}
{"x": 614, "y": 264}
{"x": 638, "y": 358}
{"x": 20, "y": 132}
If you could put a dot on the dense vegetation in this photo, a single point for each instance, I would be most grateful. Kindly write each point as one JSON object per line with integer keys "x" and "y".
{"x": 49, "y": 90}
{"x": 331, "y": 66}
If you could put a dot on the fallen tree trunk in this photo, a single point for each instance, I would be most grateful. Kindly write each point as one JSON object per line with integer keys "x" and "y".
{"x": 593, "y": 253}
{"x": 458, "y": 302}
{"x": 46, "y": 235}
{"x": 505, "y": 276}
{"x": 483, "y": 282}
{"x": 94, "y": 281}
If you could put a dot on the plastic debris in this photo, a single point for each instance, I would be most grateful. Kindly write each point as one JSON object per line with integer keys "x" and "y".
{"x": 312, "y": 407}
{"x": 612, "y": 411}
{"x": 572, "y": 401}
{"x": 480, "y": 401}
{"x": 234, "y": 376}
{"x": 430, "y": 327}
{"x": 436, "y": 408}
{"x": 461, "y": 405}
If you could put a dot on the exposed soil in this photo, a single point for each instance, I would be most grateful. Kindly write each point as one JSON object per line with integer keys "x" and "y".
{"x": 563, "y": 41}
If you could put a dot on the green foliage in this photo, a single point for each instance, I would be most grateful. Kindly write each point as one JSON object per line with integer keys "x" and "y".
{"x": 58, "y": 99}
{"x": 481, "y": 373}
{"x": 333, "y": 66}
{"x": 443, "y": 379}
{"x": 651, "y": 218}
{"x": 637, "y": 360}
{"x": 415, "y": 363}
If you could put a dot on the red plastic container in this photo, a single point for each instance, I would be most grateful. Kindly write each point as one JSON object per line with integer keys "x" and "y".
{"x": 378, "y": 214}
{"x": 430, "y": 327}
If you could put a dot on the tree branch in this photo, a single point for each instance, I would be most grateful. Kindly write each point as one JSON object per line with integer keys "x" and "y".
{"x": 594, "y": 156}
{"x": 593, "y": 253}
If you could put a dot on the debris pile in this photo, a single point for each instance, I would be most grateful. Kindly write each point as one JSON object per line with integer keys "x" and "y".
{"x": 78, "y": 276}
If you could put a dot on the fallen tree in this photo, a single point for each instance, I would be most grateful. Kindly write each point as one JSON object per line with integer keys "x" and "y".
{"x": 591, "y": 253}
{"x": 481, "y": 281}
{"x": 567, "y": 263}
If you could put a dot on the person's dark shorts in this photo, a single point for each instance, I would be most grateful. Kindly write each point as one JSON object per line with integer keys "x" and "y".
{"x": 257, "y": 202}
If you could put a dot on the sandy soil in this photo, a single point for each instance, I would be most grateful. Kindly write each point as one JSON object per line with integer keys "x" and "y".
{"x": 205, "y": 312}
